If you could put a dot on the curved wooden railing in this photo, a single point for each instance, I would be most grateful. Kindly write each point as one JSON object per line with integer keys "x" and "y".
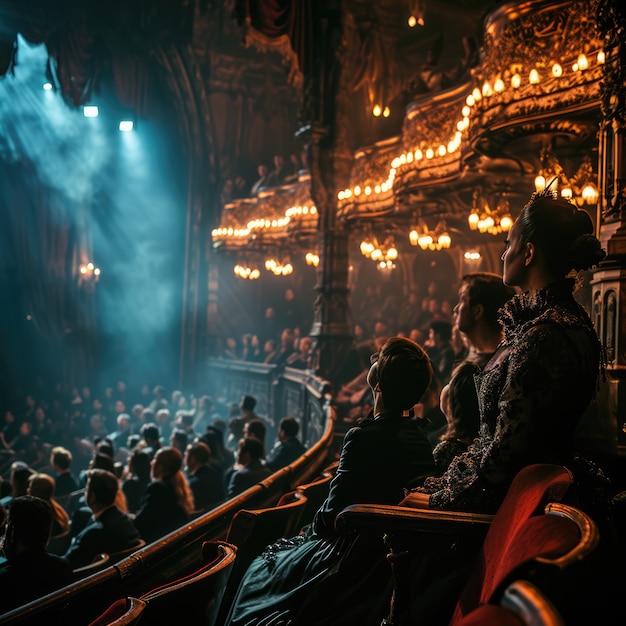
{"x": 292, "y": 392}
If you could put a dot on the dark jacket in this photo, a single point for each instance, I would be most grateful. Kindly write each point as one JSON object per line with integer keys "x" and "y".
{"x": 207, "y": 487}
{"x": 247, "y": 477}
{"x": 159, "y": 512}
{"x": 378, "y": 458}
{"x": 31, "y": 575}
{"x": 284, "y": 454}
{"x": 111, "y": 532}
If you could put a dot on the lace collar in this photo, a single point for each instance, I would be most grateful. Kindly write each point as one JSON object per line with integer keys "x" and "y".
{"x": 528, "y": 306}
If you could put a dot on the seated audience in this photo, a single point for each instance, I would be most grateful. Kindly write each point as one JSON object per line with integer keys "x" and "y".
{"x": 252, "y": 469}
{"x": 110, "y": 529}
{"x": 137, "y": 478}
{"x": 167, "y": 502}
{"x": 300, "y": 358}
{"x": 65, "y": 482}
{"x": 205, "y": 479}
{"x": 30, "y": 572}
{"x": 236, "y": 424}
{"x": 19, "y": 476}
{"x": 42, "y": 486}
{"x": 288, "y": 447}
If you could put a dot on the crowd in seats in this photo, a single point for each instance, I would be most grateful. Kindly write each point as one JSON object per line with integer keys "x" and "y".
{"x": 114, "y": 479}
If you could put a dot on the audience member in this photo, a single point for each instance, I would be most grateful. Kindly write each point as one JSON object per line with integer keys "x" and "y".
{"x": 301, "y": 358}
{"x": 537, "y": 385}
{"x": 30, "y": 572}
{"x": 256, "y": 428}
{"x": 252, "y": 469}
{"x": 205, "y": 478}
{"x": 42, "y": 486}
{"x": 167, "y": 502}
{"x": 439, "y": 349}
{"x": 288, "y": 448}
{"x": 236, "y": 424}
{"x": 378, "y": 459}
{"x": 277, "y": 175}
{"x": 110, "y": 529}
{"x": 151, "y": 438}
{"x": 65, "y": 482}
{"x": 18, "y": 478}
{"x": 179, "y": 440}
{"x": 137, "y": 478}
{"x": 261, "y": 182}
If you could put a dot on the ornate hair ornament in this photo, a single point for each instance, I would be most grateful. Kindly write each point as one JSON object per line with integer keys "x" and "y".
{"x": 546, "y": 192}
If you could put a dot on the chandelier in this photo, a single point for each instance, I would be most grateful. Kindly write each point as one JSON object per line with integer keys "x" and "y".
{"x": 278, "y": 267}
{"x": 312, "y": 258}
{"x": 426, "y": 239}
{"x": 383, "y": 254}
{"x": 89, "y": 272}
{"x": 247, "y": 271}
{"x": 490, "y": 216}
{"x": 580, "y": 189}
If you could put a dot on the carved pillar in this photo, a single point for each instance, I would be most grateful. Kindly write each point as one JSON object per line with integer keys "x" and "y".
{"x": 326, "y": 104}
{"x": 609, "y": 281}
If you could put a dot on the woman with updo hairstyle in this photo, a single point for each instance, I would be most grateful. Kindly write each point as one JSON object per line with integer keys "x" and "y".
{"x": 167, "y": 502}
{"x": 536, "y": 387}
{"x": 298, "y": 580}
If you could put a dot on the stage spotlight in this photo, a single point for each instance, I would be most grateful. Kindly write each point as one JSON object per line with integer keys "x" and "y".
{"x": 126, "y": 126}
{"x": 90, "y": 110}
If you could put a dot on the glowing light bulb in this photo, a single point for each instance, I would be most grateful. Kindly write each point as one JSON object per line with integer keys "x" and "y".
{"x": 377, "y": 110}
{"x": 516, "y": 81}
{"x": 557, "y": 70}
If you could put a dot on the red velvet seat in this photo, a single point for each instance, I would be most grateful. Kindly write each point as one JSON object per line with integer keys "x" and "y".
{"x": 517, "y": 534}
{"x": 123, "y": 612}
{"x": 193, "y": 598}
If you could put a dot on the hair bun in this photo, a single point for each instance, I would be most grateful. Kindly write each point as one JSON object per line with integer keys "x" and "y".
{"x": 585, "y": 252}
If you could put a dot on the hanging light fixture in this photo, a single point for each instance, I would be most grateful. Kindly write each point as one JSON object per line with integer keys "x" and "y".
{"x": 89, "y": 272}
{"x": 247, "y": 270}
{"x": 426, "y": 239}
{"x": 384, "y": 253}
{"x": 312, "y": 258}
{"x": 492, "y": 217}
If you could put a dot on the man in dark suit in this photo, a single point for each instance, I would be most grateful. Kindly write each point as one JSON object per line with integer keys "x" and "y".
{"x": 30, "y": 572}
{"x": 253, "y": 470}
{"x": 289, "y": 447}
{"x": 204, "y": 477}
{"x": 110, "y": 530}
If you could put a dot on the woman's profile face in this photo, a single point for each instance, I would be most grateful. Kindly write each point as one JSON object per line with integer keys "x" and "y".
{"x": 514, "y": 270}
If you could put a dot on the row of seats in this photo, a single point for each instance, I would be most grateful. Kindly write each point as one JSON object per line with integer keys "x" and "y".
{"x": 525, "y": 557}
{"x": 207, "y": 593}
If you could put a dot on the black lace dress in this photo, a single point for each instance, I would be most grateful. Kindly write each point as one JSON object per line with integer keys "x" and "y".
{"x": 532, "y": 394}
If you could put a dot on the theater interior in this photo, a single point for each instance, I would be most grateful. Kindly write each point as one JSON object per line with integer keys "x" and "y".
{"x": 413, "y": 132}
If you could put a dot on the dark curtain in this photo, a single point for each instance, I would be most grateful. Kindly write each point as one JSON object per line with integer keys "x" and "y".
{"x": 275, "y": 18}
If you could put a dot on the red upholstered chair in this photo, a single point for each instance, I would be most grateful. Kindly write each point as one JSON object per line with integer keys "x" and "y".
{"x": 193, "y": 598}
{"x": 542, "y": 547}
{"x": 196, "y": 597}
{"x": 412, "y": 532}
{"x": 123, "y": 612}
